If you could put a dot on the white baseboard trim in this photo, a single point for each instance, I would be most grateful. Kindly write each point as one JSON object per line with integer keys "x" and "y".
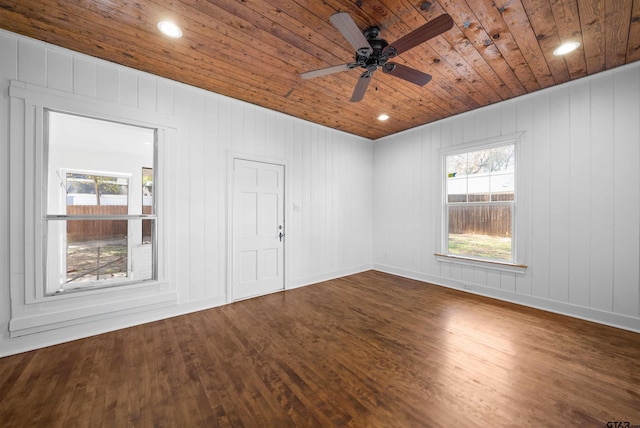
{"x": 588, "y": 314}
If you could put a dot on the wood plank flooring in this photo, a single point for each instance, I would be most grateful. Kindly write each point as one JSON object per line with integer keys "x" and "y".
{"x": 368, "y": 350}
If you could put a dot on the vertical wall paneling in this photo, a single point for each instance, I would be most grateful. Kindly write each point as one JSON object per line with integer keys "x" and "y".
{"x": 9, "y": 63}
{"x": 331, "y": 238}
{"x": 506, "y": 113}
{"x": 147, "y": 94}
{"x": 260, "y": 132}
{"x": 507, "y": 123}
{"x": 220, "y": 141}
{"x": 469, "y": 127}
{"x": 32, "y": 62}
{"x": 508, "y": 281}
{"x": 250, "y": 142}
{"x": 197, "y": 194}
{"x": 213, "y": 260}
{"x": 276, "y": 133}
{"x": 273, "y": 137}
{"x": 182, "y": 203}
{"x": 508, "y": 117}
{"x": 378, "y": 184}
{"x": 493, "y": 278}
{"x": 482, "y": 119}
{"x": 433, "y": 217}
{"x": 493, "y": 120}
{"x": 540, "y": 136}
{"x": 524, "y": 123}
{"x": 107, "y": 82}
{"x": 306, "y": 243}
{"x": 59, "y": 70}
{"x": 333, "y": 187}
{"x": 295, "y": 230}
{"x": 626, "y": 187}
{"x": 415, "y": 215}
{"x": 128, "y": 89}
{"x": 403, "y": 182}
{"x": 237, "y": 139}
{"x": 84, "y": 76}
{"x": 579, "y": 194}
{"x": 479, "y": 276}
{"x": 319, "y": 180}
{"x": 315, "y": 202}
{"x": 428, "y": 198}
{"x": 601, "y": 170}
{"x": 164, "y": 99}
{"x": 559, "y": 195}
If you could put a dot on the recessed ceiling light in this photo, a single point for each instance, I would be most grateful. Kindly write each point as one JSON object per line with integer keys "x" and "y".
{"x": 170, "y": 29}
{"x": 565, "y": 48}
{"x": 383, "y": 117}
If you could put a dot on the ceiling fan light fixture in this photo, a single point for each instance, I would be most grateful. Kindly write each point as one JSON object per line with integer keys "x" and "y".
{"x": 566, "y": 48}
{"x": 170, "y": 29}
{"x": 383, "y": 117}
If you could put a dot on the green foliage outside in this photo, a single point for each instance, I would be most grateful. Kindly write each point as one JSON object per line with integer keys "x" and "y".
{"x": 485, "y": 246}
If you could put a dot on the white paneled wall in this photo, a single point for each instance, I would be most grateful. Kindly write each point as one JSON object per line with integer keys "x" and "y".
{"x": 580, "y": 198}
{"x": 330, "y": 175}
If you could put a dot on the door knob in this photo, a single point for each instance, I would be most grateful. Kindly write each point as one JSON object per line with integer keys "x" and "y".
{"x": 281, "y": 235}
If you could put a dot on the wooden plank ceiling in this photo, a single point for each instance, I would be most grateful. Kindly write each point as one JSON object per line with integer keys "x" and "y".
{"x": 255, "y": 50}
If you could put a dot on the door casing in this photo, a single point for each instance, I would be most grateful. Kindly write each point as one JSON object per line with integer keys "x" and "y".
{"x": 232, "y": 156}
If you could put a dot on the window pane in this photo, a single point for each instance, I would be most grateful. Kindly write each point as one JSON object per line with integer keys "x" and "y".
{"x": 482, "y": 230}
{"x": 92, "y": 259}
{"x": 89, "y": 158}
{"x": 456, "y": 165}
{"x": 479, "y": 186}
{"x": 492, "y": 160}
{"x": 478, "y": 176}
{"x": 97, "y": 190}
{"x": 97, "y": 259}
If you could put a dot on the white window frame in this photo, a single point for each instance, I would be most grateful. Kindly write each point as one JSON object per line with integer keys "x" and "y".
{"x": 29, "y": 103}
{"x": 517, "y": 264}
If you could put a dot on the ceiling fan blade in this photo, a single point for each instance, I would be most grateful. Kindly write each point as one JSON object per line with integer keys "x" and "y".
{"x": 407, "y": 73}
{"x": 350, "y": 31}
{"x": 420, "y": 35}
{"x": 361, "y": 86}
{"x": 326, "y": 71}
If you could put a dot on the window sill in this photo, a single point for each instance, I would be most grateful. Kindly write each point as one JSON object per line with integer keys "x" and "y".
{"x": 487, "y": 264}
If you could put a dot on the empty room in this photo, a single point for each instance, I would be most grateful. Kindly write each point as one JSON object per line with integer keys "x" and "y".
{"x": 367, "y": 213}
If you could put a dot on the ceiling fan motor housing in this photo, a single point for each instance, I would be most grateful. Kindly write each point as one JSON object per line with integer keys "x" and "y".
{"x": 378, "y": 55}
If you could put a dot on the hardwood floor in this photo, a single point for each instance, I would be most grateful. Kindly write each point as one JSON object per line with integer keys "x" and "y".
{"x": 367, "y": 350}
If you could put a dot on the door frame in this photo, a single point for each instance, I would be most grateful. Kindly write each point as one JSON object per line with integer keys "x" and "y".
{"x": 231, "y": 157}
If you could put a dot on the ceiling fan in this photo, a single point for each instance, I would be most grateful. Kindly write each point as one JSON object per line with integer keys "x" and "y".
{"x": 373, "y": 52}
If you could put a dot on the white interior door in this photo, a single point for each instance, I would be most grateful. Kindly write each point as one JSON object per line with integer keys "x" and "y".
{"x": 258, "y": 228}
